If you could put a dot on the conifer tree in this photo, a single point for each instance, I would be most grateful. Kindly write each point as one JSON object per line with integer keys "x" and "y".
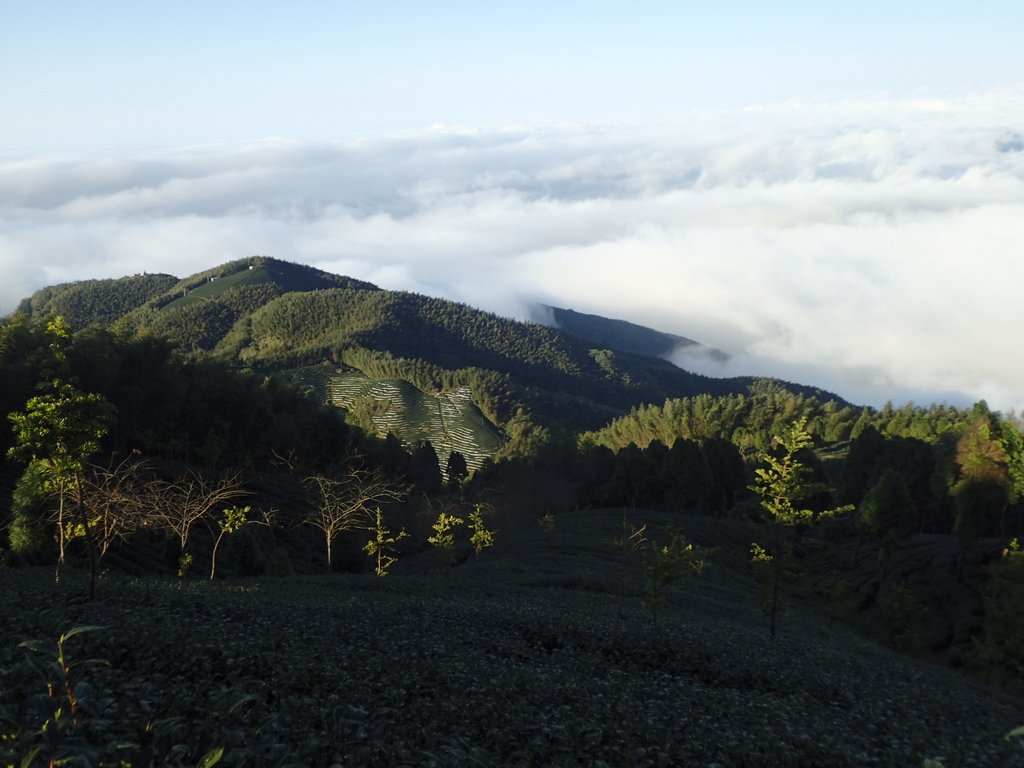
{"x": 784, "y": 486}
{"x": 887, "y": 511}
{"x": 981, "y": 491}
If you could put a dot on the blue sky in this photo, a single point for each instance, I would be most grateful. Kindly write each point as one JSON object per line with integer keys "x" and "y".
{"x": 101, "y": 73}
{"x": 833, "y": 193}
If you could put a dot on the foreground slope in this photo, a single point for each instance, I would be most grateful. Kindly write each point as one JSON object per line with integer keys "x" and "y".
{"x": 535, "y": 653}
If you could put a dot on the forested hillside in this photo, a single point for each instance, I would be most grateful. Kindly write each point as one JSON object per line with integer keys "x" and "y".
{"x": 619, "y": 334}
{"x": 414, "y": 336}
{"x": 198, "y": 311}
{"x": 447, "y": 418}
{"x": 96, "y": 301}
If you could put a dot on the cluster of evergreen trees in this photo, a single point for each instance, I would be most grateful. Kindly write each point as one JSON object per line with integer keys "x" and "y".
{"x": 942, "y": 469}
{"x": 753, "y": 419}
{"x": 96, "y": 301}
{"x": 199, "y": 412}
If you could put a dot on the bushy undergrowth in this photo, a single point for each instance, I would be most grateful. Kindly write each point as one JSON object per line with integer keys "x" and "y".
{"x": 501, "y": 663}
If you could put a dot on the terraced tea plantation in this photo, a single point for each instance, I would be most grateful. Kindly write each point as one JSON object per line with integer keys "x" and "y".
{"x": 449, "y": 420}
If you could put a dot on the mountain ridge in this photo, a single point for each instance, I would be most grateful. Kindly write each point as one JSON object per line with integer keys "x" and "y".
{"x": 274, "y": 316}
{"x": 625, "y": 335}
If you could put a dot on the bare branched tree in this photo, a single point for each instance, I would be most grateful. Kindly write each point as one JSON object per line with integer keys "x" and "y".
{"x": 114, "y": 496}
{"x": 348, "y": 502}
{"x": 177, "y": 505}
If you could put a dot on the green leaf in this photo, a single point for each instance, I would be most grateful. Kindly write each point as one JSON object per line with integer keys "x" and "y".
{"x": 211, "y": 758}
{"x": 39, "y": 646}
{"x": 79, "y": 630}
{"x": 29, "y": 759}
{"x": 245, "y": 699}
{"x": 89, "y": 663}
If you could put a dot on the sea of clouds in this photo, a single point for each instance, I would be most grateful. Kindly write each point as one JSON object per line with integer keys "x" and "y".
{"x": 873, "y": 248}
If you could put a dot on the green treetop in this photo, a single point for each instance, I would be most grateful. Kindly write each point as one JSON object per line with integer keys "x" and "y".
{"x": 55, "y": 434}
{"x": 784, "y": 482}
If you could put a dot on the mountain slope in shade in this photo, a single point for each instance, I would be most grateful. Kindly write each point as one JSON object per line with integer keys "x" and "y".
{"x": 624, "y": 335}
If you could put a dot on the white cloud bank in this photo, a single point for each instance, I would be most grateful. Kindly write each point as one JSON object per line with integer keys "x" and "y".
{"x": 873, "y": 248}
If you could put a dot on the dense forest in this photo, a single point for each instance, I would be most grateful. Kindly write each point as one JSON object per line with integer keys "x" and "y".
{"x": 619, "y": 334}
{"x": 96, "y": 301}
{"x": 160, "y": 427}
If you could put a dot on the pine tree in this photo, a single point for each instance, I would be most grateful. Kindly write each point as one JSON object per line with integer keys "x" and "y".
{"x": 784, "y": 486}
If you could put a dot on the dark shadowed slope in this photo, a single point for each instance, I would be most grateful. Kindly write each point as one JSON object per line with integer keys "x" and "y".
{"x": 537, "y": 652}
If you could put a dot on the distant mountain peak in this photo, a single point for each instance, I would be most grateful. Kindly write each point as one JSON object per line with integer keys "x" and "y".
{"x": 623, "y": 335}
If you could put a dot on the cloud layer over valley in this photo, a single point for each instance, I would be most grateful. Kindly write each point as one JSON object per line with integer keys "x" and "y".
{"x": 872, "y": 248}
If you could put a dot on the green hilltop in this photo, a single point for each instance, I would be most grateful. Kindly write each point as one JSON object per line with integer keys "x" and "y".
{"x": 220, "y": 283}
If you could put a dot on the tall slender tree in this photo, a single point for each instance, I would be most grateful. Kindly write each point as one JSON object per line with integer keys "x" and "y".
{"x": 785, "y": 487}
{"x": 55, "y": 434}
{"x": 982, "y": 488}
{"x": 783, "y": 482}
